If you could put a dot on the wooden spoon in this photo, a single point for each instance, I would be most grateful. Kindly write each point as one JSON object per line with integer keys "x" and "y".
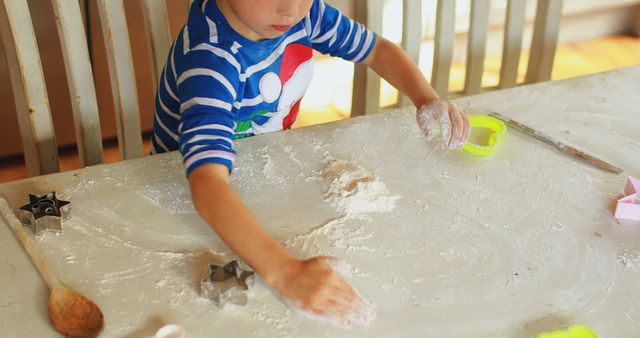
{"x": 71, "y": 313}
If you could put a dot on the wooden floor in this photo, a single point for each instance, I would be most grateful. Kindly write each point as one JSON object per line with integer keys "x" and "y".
{"x": 318, "y": 107}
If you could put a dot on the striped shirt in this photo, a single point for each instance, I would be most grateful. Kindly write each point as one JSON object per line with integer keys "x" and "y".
{"x": 218, "y": 86}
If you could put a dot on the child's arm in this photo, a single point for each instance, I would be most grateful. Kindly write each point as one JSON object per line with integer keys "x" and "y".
{"x": 395, "y": 66}
{"x": 311, "y": 285}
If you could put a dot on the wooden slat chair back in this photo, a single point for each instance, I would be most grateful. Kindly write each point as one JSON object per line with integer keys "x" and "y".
{"x": 366, "y": 90}
{"x": 158, "y": 30}
{"x": 28, "y": 83}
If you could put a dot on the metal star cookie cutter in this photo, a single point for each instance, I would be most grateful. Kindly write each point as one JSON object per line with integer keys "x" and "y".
{"x": 44, "y": 213}
{"x": 227, "y": 284}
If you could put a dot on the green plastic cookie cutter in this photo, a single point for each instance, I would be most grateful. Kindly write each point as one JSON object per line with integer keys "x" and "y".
{"x": 574, "y": 331}
{"x": 496, "y": 129}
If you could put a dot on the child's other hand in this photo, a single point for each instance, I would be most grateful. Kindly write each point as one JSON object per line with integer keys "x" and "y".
{"x": 453, "y": 123}
{"x": 318, "y": 287}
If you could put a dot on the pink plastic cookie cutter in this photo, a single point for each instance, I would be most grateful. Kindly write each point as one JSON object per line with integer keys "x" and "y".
{"x": 628, "y": 207}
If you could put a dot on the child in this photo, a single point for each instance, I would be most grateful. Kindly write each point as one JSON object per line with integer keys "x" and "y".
{"x": 240, "y": 68}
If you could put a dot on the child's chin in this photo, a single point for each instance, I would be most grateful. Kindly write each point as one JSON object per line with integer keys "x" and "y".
{"x": 273, "y": 35}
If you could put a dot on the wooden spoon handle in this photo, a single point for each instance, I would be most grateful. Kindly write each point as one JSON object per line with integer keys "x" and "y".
{"x": 29, "y": 245}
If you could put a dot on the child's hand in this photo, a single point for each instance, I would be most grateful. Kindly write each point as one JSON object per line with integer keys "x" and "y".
{"x": 317, "y": 287}
{"x": 454, "y": 125}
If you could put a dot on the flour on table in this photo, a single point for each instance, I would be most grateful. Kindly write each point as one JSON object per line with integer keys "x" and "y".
{"x": 269, "y": 169}
{"x": 352, "y": 190}
{"x": 174, "y": 197}
{"x": 628, "y": 258}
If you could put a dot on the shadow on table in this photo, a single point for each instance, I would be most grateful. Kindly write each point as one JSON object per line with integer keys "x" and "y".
{"x": 551, "y": 322}
{"x": 152, "y": 326}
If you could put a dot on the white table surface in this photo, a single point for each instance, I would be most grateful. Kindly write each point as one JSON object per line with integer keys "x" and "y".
{"x": 510, "y": 245}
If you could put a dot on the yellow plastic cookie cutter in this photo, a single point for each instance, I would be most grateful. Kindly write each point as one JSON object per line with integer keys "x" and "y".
{"x": 574, "y": 331}
{"x": 497, "y": 129}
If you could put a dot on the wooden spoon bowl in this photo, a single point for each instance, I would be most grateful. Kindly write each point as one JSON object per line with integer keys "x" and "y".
{"x": 73, "y": 315}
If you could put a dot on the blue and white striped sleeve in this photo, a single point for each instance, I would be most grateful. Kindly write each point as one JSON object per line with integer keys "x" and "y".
{"x": 335, "y": 34}
{"x": 207, "y": 88}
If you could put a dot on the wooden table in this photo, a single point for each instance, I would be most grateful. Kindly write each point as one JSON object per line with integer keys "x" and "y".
{"x": 510, "y": 245}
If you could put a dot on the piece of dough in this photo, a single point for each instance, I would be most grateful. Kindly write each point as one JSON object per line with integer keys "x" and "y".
{"x": 353, "y": 190}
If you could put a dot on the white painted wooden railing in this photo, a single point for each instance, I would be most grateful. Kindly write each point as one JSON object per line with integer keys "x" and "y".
{"x": 366, "y": 91}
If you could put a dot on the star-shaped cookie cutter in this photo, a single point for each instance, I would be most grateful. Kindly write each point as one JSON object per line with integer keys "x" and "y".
{"x": 628, "y": 207}
{"x": 44, "y": 213}
{"x": 227, "y": 284}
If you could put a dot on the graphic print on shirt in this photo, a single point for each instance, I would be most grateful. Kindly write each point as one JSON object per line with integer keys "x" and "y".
{"x": 214, "y": 87}
{"x": 296, "y": 71}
